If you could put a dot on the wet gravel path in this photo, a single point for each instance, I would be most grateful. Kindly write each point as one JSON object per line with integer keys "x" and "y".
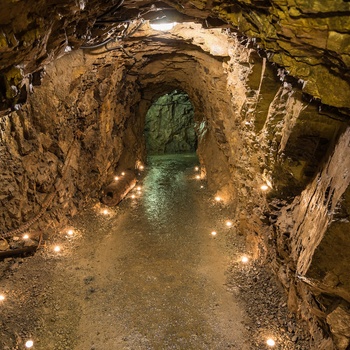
{"x": 146, "y": 275}
{"x": 159, "y": 274}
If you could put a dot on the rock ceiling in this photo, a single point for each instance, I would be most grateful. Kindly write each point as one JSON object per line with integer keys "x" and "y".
{"x": 310, "y": 39}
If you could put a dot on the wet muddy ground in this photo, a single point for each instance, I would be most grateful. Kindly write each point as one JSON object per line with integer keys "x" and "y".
{"x": 146, "y": 275}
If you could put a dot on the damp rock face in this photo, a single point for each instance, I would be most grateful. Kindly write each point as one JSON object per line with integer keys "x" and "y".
{"x": 270, "y": 102}
{"x": 169, "y": 126}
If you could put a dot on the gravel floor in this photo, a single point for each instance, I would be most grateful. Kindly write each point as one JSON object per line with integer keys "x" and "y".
{"x": 146, "y": 275}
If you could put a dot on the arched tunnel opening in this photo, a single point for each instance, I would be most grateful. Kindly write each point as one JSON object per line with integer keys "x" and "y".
{"x": 170, "y": 126}
{"x": 243, "y": 244}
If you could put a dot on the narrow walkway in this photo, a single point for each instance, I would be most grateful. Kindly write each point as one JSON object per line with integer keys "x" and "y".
{"x": 148, "y": 275}
{"x": 159, "y": 275}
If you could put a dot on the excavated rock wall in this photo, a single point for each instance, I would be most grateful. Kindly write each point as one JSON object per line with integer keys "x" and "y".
{"x": 169, "y": 125}
{"x": 66, "y": 142}
{"x": 84, "y": 118}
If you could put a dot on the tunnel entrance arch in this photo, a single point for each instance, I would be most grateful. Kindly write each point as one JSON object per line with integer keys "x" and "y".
{"x": 169, "y": 125}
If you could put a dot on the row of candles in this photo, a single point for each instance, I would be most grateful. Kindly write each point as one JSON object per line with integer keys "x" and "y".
{"x": 244, "y": 258}
{"x": 70, "y": 232}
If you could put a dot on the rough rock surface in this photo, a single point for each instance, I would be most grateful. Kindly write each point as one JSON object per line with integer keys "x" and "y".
{"x": 67, "y": 130}
{"x": 169, "y": 125}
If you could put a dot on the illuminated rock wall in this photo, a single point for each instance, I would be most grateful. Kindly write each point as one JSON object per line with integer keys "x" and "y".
{"x": 67, "y": 129}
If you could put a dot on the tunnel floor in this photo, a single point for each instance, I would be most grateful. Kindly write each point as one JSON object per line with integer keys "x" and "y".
{"x": 148, "y": 275}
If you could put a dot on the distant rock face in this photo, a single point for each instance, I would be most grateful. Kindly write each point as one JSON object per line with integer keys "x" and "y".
{"x": 169, "y": 126}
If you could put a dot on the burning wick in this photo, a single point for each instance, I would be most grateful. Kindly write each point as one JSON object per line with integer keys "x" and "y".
{"x": 2, "y": 297}
{"x": 133, "y": 196}
{"x": 213, "y": 233}
{"x": 218, "y": 199}
{"x": 202, "y": 186}
{"x": 70, "y": 232}
{"x": 29, "y": 344}
{"x": 264, "y": 187}
{"x": 123, "y": 173}
{"x": 25, "y": 236}
{"x": 198, "y": 177}
{"x": 141, "y": 167}
{"x": 116, "y": 178}
{"x": 270, "y": 342}
{"x": 228, "y": 223}
{"x": 57, "y": 248}
{"x": 139, "y": 188}
{"x": 244, "y": 259}
{"x": 196, "y": 168}
{"x": 105, "y": 212}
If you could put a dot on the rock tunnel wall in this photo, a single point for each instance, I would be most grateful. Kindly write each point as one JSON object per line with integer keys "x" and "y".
{"x": 169, "y": 125}
{"x": 83, "y": 123}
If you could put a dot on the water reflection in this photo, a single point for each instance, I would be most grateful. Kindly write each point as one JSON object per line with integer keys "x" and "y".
{"x": 165, "y": 187}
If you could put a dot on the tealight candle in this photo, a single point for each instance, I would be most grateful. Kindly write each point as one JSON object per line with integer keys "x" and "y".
{"x": 264, "y": 187}
{"x": 270, "y": 342}
{"x": 29, "y": 344}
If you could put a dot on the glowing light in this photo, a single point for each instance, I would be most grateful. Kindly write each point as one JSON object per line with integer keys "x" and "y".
{"x": 264, "y": 187}
{"x": 202, "y": 186}
{"x": 228, "y": 223}
{"x": 138, "y": 188}
{"x": 218, "y": 199}
{"x": 196, "y": 168}
{"x": 244, "y": 259}
{"x": 105, "y": 212}
{"x": 116, "y": 178}
{"x": 57, "y": 248}
{"x": 162, "y": 26}
{"x": 270, "y": 342}
{"x": 25, "y": 236}
{"x": 141, "y": 167}
{"x": 123, "y": 173}
{"x": 133, "y": 196}
{"x": 213, "y": 233}
{"x": 70, "y": 232}
{"x": 2, "y": 297}
{"x": 198, "y": 177}
{"x": 29, "y": 344}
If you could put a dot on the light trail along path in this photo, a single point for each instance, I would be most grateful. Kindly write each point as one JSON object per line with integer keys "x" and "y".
{"x": 147, "y": 276}
{"x": 158, "y": 275}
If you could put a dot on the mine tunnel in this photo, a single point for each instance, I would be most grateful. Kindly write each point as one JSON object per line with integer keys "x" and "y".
{"x": 174, "y": 175}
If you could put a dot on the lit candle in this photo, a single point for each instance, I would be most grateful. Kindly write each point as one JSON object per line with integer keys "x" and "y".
{"x": 198, "y": 177}
{"x": 123, "y": 173}
{"x": 139, "y": 188}
{"x": 116, "y": 178}
{"x": 196, "y": 168}
{"x": 218, "y": 199}
{"x": 25, "y": 236}
{"x": 228, "y": 223}
{"x": 270, "y": 342}
{"x": 264, "y": 187}
{"x": 57, "y": 248}
{"x": 133, "y": 196}
{"x": 213, "y": 233}
{"x": 105, "y": 212}
{"x": 2, "y": 297}
{"x": 29, "y": 344}
{"x": 244, "y": 259}
{"x": 70, "y": 232}
{"x": 141, "y": 167}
